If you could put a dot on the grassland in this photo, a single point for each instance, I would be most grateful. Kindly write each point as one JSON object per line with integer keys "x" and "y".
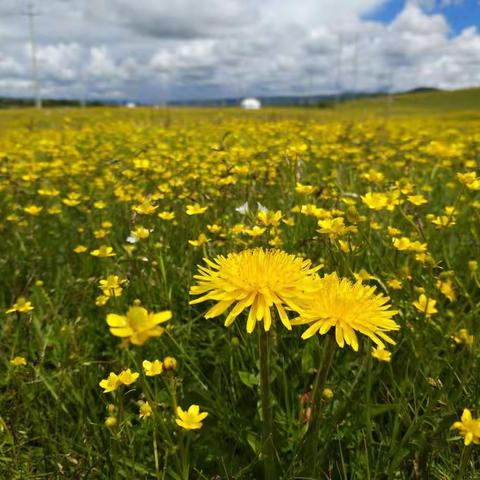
{"x": 371, "y": 194}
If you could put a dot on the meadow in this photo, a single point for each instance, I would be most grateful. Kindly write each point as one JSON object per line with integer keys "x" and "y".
{"x": 355, "y": 357}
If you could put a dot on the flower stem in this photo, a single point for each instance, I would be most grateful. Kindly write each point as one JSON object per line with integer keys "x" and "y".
{"x": 267, "y": 441}
{"x": 318, "y": 387}
{"x": 464, "y": 462}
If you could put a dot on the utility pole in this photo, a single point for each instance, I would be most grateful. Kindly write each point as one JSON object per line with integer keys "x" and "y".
{"x": 33, "y": 47}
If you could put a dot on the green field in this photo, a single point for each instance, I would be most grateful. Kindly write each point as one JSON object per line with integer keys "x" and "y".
{"x": 106, "y": 212}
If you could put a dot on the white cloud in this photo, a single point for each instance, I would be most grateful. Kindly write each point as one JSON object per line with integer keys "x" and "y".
{"x": 186, "y": 49}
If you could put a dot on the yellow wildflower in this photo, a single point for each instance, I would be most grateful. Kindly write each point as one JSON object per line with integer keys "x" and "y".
{"x": 256, "y": 279}
{"x": 138, "y": 325}
{"x": 349, "y": 308}
{"x": 191, "y": 419}
{"x": 152, "y": 368}
{"x": 22, "y": 305}
{"x": 469, "y": 427}
{"x": 18, "y": 361}
{"x": 425, "y": 305}
{"x": 103, "y": 251}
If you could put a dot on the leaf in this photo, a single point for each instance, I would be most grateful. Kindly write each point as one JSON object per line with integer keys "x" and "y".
{"x": 249, "y": 379}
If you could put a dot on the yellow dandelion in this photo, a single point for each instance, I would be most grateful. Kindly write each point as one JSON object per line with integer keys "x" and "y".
{"x": 256, "y": 278}
{"x": 349, "y": 308}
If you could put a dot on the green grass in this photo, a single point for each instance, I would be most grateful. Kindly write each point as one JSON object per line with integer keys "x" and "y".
{"x": 385, "y": 420}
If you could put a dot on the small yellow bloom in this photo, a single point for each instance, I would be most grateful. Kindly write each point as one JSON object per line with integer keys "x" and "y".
{"x": 22, "y": 305}
{"x": 127, "y": 377}
{"x": 469, "y": 427}
{"x": 256, "y": 231}
{"x": 195, "y": 209}
{"x": 381, "y": 354}
{"x": 417, "y": 199}
{"x": 202, "y": 238}
{"x": 112, "y": 286}
{"x": 145, "y": 208}
{"x": 141, "y": 233}
{"x": 446, "y": 287}
{"x": 327, "y": 393}
{"x": 18, "y": 361}
{"x": 305, "y": 189}
{"x": 425, "y": 305}
{"x": 111, "y": 421}
{"x": 191, "y": 419}
{"x": 111, "y": 383}
{"x": 166, "y": 215}
{"x": 463, "y": 337}
{"x": 103, "y": 251}
{"x": 33, "y": 210}
{"x": 152, "y": 368}
{"x": 145, "y": 410}
{"x": 169, "y": 363}
{"x": 80, "y": 249}
{"x": 138, "y": 325}
{"x": 101, "y": 300}
{"x": 394, "y": 284}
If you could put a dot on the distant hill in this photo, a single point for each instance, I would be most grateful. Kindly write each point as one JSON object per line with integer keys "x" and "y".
{"x": 427, "y": 101}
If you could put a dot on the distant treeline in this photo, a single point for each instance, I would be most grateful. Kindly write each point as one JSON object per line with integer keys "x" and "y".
{"x": 7, "y": 102}
{"x": 313, "y": 101}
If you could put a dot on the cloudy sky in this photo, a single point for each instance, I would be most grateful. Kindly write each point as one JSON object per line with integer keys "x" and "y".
{"x": 157, "y": 50}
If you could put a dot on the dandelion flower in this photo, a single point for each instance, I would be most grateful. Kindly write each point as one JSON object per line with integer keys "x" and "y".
{"x": 349, "y": 308}
{"x": 191, "y": 419}
{"x": 256, "y": 279}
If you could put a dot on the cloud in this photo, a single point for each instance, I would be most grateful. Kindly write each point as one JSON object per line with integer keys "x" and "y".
{"x": 148, "y": 50}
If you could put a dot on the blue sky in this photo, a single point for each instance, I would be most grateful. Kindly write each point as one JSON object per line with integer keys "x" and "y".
{"x": 460, "y": 14}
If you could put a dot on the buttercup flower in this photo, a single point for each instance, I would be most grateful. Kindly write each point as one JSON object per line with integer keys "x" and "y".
{"x": 425, "y": 305}
{"x": 256, "y": 279}
{"x": 152, "y": 368}
{"x": 191, "y": 419}
{"x": 22, "y": 305}
{"x": 138, "y": 325}
{"x": 469, "y": 427}
{"x": 145, "y": 410}
{"x": 103, "y": 252}
{"x": 18, "y": 361}
{"x": 111, "y": 383}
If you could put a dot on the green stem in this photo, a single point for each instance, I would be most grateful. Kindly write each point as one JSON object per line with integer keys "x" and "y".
{"x": 318, "y": 387}
{"x": 464, "y": 462}
{"x": 267, "y": 443}
{"x": 321, "y": 378}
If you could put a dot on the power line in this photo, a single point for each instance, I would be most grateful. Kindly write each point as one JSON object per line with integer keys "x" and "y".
{"x": 33, "y": 48}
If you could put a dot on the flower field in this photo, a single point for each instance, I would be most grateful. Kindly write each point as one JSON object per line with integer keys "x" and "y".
{"x": 216, "y": 294}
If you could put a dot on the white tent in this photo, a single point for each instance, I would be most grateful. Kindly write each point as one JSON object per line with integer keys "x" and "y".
{"x": 251, "y": 103}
